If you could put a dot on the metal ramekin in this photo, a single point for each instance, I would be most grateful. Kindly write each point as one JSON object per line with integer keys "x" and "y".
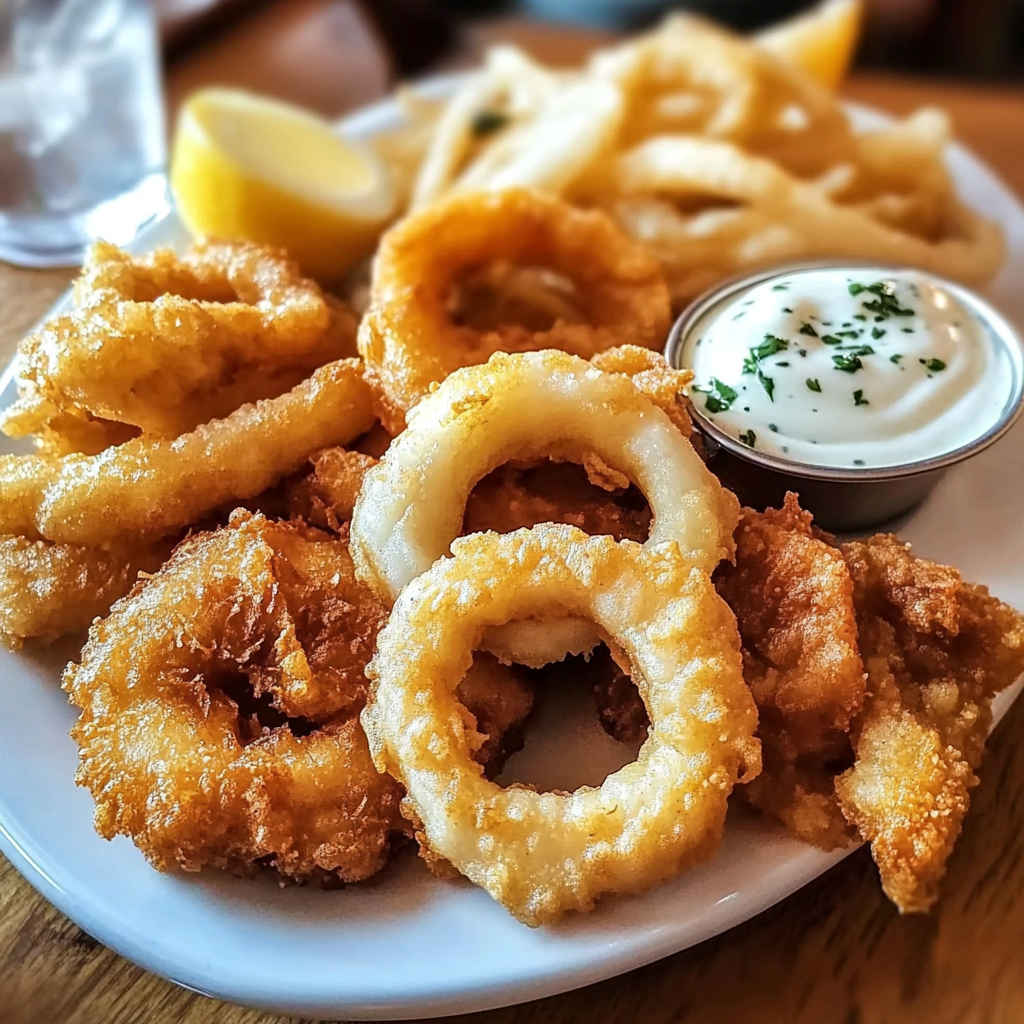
{"x": 841, "y": 498}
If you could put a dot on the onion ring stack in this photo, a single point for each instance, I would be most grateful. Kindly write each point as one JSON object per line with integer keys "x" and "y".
{"x": 521, "y": 406}
{"x": 408, "y": 337}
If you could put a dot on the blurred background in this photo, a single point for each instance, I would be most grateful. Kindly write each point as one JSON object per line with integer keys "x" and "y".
{"x": 253, "y": 42}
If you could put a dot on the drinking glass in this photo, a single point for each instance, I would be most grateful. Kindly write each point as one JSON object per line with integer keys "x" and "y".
{"x": 82, "y": 146}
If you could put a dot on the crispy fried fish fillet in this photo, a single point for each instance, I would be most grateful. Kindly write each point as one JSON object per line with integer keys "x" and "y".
{"x": 936, "y": 650}
{"x": 793, "y": 598}
{"x": 47, "y": 590}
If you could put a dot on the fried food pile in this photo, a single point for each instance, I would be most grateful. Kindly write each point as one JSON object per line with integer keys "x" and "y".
{"x": 320, "y": 559}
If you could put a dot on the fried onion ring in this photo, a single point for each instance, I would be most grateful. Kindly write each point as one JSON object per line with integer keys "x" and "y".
{"x": 201, "y": 675}
{"x": 541, "y": 854}
{"x": 408, "y": 338}
{"x": 47, "y": 590}
{"x": 516, "y": 407}
{"x": 164, "y": 342}
{"x": 153, "y": 487}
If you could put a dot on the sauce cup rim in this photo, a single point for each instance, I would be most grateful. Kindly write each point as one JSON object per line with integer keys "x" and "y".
{"x": 1001, "y": 329}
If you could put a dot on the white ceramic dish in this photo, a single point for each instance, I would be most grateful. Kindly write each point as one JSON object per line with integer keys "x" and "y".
{"x": 406, "y": 944}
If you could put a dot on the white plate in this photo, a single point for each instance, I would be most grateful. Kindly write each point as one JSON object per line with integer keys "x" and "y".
{"x": 406, "y": 944}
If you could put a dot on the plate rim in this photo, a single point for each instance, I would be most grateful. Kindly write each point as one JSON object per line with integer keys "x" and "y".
{"x": 90, "y": 915}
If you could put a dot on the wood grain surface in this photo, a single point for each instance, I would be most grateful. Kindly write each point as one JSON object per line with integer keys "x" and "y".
{"x": 835, "y": 953}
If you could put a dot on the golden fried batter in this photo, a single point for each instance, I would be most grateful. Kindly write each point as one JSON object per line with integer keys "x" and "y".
{"x": 218, "y": 708}
{"x": 47, "y": 590}
{"x": 936, "y": 651}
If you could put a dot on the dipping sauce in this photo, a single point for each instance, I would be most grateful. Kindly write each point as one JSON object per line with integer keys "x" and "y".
{"x": 848, "y": 367}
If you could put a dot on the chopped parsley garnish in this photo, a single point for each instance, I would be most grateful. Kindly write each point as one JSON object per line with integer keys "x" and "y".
{"x": 877, "y": 332}
{"x": 808, "y": 330}
{"x": 780, "y": 287}
{"x": 487, "y": 122}
{"x": 749, "y": 438}
{"x": 768, "y": 384}
{"x": 813, "y": 385}
{"x": 858, "y": 350}
{"x": 786, "y": 309}
{"x": 847, "y": 334}
{"x": 859, "y": 399}
{"x": 773, "y": 428}
{"x": 860, "y": 316}
{"x": 858, "y": 462}
{"x": 802, "y": 351}
{"x": 847, "y": 363}
{"x": 831, "y": 339}
{"x": 885, "y": 304}
{"x": 769, "y": 347}
{"x": 934, "y": 365}
{"x": 856, "y": 289}
{"x": 896, "y": 357}
{"x": 719, "y": 396}
{"x": 742, "y": 312}
{"x": 907, "y": 330}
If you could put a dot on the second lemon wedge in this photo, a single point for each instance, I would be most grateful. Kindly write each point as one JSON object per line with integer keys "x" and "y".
{"x": 821, "y": 41}
{"x": 244, "y": 166}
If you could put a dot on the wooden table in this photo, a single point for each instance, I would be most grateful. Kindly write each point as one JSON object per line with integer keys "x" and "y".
{"x": 835, "y": 953}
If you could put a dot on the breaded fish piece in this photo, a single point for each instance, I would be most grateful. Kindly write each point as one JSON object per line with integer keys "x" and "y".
{"x": 936, "y": 650}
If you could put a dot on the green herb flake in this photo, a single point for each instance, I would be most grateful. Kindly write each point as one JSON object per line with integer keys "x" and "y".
{"x": 808, "y": 330}
{"x": 896, "y": 357}
{"x": 773, "y": 428}
{"x": 786, "y": 309}
{"x": 749, "y": 438}
{"x": 847, "y": 363}
{"x": 813, "y": 385}
{"x": 935, "y": 365}
{"x": 860, "y": 316}
{"x": 831, "y": 339}
{"x": 857, "y": 289}
{"x": 719, "y": 396}
{"x": 780, "y": 287}
{"x": 859, "y": 399}
{"x": 487, "y": 122}
{"x": 742, "y": 312}
{"x": 858, "y": 462}
{"x": 877, "y": 332}
{"x": 769, "y": 347}
{"x": 802, "y": 351}
{"x": 750, "y": 364}
{"x": 768, "y": 384}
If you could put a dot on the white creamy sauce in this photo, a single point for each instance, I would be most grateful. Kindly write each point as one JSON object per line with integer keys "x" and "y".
{"x": 847, "y": 367}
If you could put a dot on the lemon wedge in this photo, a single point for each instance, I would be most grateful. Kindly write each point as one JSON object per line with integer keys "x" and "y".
{"x": 820, "y": 42}
{"x": 248, "y": 167}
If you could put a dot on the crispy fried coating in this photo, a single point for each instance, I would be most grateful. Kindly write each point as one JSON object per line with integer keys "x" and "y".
{"x": 936, "y": 652}
{"x": 325, "y": 494}
{"x": 793, "y": 598}
{"x": 218, "y": 708}
{"x": 47, "y": 590}
{"x": 409, "y": 337}
{"x": 154, "y": 487}
{"x": 522, "y": 495}
{"x": 166, "y": 342}
{"x": 500, "y": 698}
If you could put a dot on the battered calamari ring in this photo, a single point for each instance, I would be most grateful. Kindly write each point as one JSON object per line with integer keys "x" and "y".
{"x": 408, "y": 338}
{"x": 218, "y": 708}
{"x": 165, "y": 342}
{"x": 519, "y": 406}
{"x": 153, "y": 487}
{"x": 541, "y": 854}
